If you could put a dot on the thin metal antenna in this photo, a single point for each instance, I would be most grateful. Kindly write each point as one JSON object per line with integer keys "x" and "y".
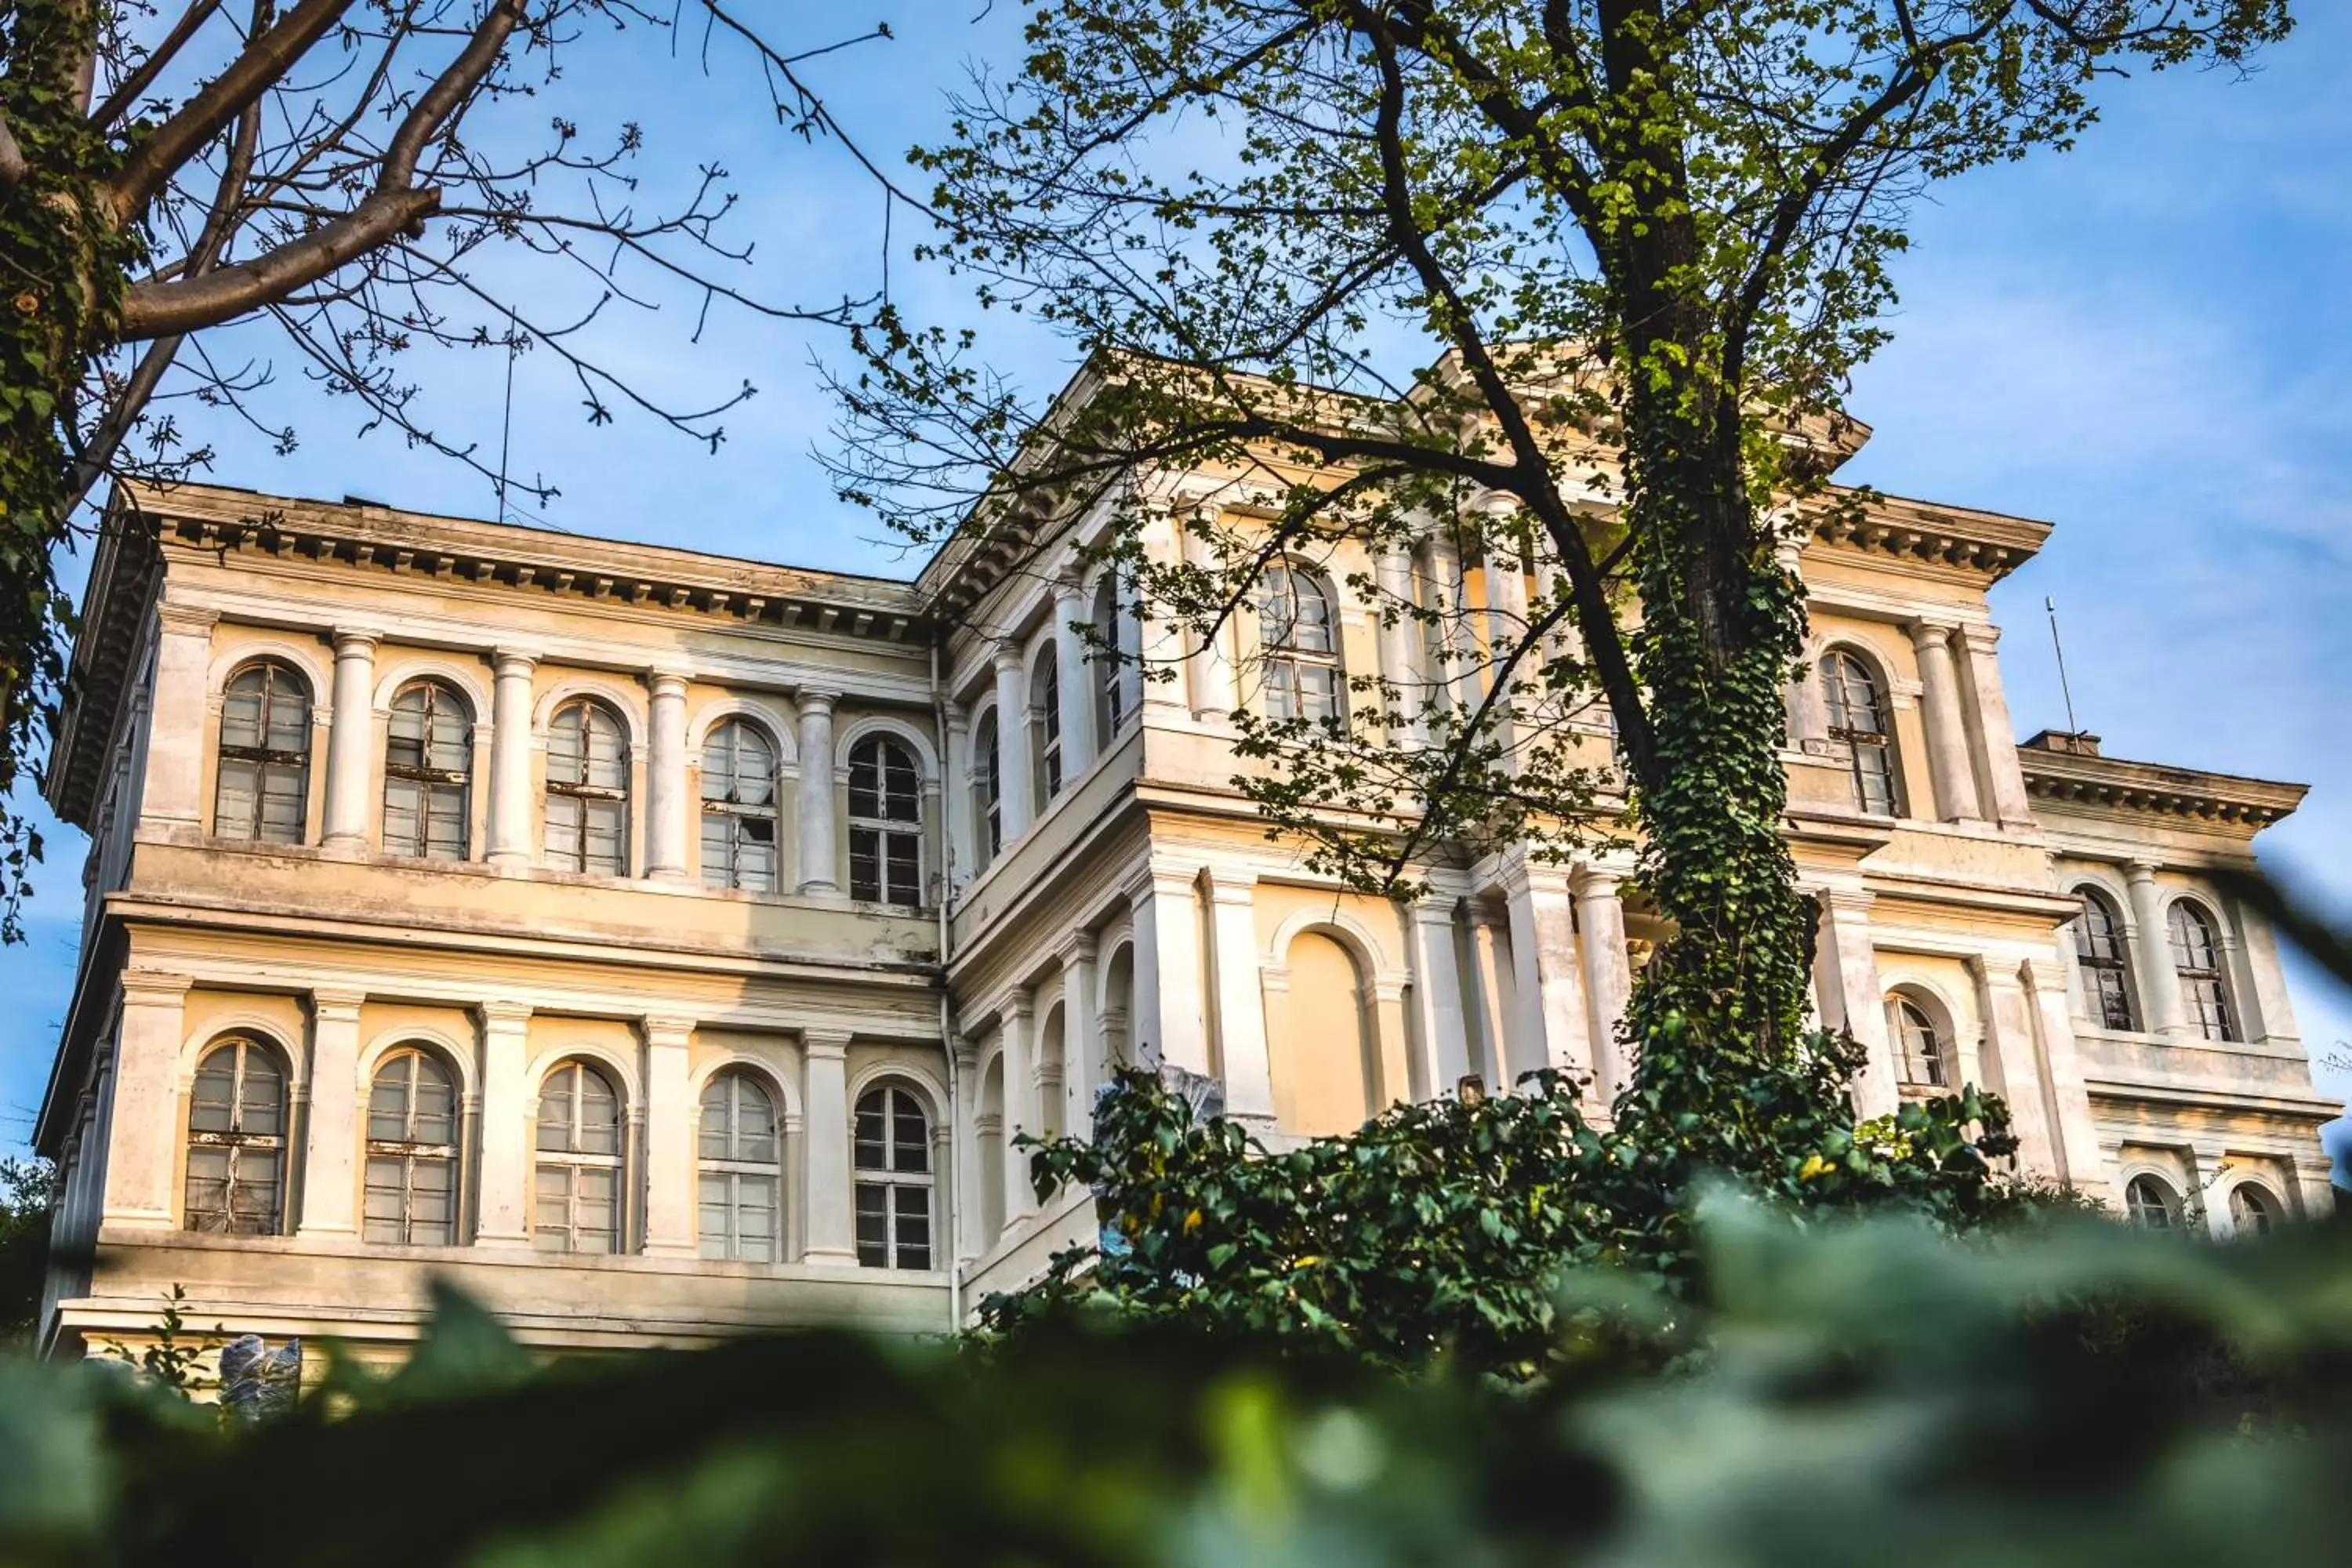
{"x": 506, "y": 422}
{"x": 2064, "y": 689}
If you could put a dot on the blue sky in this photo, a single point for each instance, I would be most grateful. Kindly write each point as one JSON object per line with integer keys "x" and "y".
{"x": 2147, "y": 342}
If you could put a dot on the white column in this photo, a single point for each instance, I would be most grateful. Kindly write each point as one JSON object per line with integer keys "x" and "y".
{"x": 1211, "y": 670}
{"x": 1073, "y": 683}
{"x": 1507, "y": 627}
{"x": 1011, "y": 743}
{"x": 1453, "y": 627}
{"x": 1845, "y": 977}
{"x": 2011, "y": 1068}
{"x": 1017, "y": 1065}
{"x": 351, "y": 740}
{"x": 1160, "y": 643}
{"x": 670, "y": 1112}
{"x": 2160, "y": 983}
{"x": 1994, "y": 733}
{"x": 971, "y": 1238}
{"x": 1608, "y": 976}
{"x": 1437, "y": 1015}
{"x": 832, "y": 1214}
{"x": 1948, "y": 740}
{"x": 1399, "y": 641}
{"x": 962, "y": 846}
{"x": 1082, "y": 1049}
{"x": 2075, "y": 1137}
{"x": 143, "y": 1126}
{"x": 504, "y": 1208}
{"x": 818, "y": 871}
{"x": 665, "y": 806}
{"x": 173, "y": 793}
{"x": 1493, "y": 995}
{"x": 1247, "y": 1067}
{"x": 512, "y": 816}
{"x": 1551, "y": 1028}
{"x": 1169, "y": 1017}
{"x": 331, "y": 1145}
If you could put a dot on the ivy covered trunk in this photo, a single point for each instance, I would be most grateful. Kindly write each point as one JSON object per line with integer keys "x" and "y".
{"x": 1722, "y": 1008}
{"x": 60, "y": 291}
{"x": 1717, "y": 1017}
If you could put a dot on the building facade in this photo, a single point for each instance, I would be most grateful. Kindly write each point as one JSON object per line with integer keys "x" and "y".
{"x": 661, "y": 944}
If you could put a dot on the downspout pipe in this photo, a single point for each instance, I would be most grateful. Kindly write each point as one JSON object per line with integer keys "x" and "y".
{"x": 946, "y": 1008}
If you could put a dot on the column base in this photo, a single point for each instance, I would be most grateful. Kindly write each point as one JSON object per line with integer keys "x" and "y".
{"x": 825, "y": 1258}
{"x": 487, "y": 1241}
{"x": 344, "y": 845}
{"x": 666, "y": 874}
{"x": 819, "y": 889}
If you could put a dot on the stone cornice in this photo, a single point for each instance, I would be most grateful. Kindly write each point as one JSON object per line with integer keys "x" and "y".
{"x": 1984, "y": 544}
{"x": 363, "y": 533}
{"x": 2224, "y": 802}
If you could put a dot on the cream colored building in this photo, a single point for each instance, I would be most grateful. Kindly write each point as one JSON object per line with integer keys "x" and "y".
{"x": 661, "y": 944}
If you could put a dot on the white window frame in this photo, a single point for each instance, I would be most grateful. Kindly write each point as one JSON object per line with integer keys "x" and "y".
{"x": 266, "y": 762}
{"x": 572, "y": 1161}
{"x": 410, "y": 1152}
{"x": 889, "y": 1181}
{"x": 236, "y": 1143}
{"x": 734, "y": 1168}
{"x": 728, "y": 870}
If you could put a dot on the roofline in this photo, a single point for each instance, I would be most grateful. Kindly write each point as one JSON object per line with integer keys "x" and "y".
{"x": 2230, "y": 800}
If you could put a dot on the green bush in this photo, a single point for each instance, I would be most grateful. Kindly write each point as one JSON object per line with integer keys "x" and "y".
{"x": 1847, "y": 1394}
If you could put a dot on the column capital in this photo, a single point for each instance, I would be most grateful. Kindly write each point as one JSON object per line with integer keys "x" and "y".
{"x": 338, "y": 1003}
{"x": 1078, "y": 947}
{"x": 1591, "y": 881}
{"x": 1930, "y": 631}
{"x": 827, "y": 1044}
{"x": 667, "y": 680}
{"x": 1980, "y": 636}
{"x": 667, "y": 1029}
{"x": 153, "y": 987}
{"x": 1067, "y": 584}
{"x": 1437, "y": 906}
{"x": 1005, "y": 656}
{"x": 815, "y": 699}
{"x": 502, "y": 1015}
{"x": 2140, "y": 869}
{"x": 508, "y": 660}
{"x": 186, "y": 620}
{"x": 357, "y": 642}
{"x": 1232, "y": 884}
{"x": 1015, "y": 1004}
{"x": 1845, "y": 900}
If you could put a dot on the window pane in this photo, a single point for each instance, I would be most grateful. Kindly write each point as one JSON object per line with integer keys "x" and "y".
{"x": 755, "y": 1210}
{"x": 211, "y": 1102}
{"x": 600, "y": 1114}
{"x": 261, "y": 1104}
{"x": 283, "y": 803}
{"x": 596, "y": 1210}
{"x": 253, "y": 1192}
{"x": 903, "y": 872}
{"x": 872, "y": 1134}
{"x": 864, "y": 864}
{"x": 910, "y": 1134}
{"x": 717, "y": 1214}
{"x": 444, "y": 822}
{"x": 233, "y": 800}
{"x": 914, "y": 1228}
{"x": 605, "y": 850}
{"x": 388, "y": 1102}
{"x": 436, "y": 1115}
{"x": 241, "y": 707}
{"x": 873, "y": 1226}
{"x": 552, "y": 1209}
{"x": 386, "y": 1217}
{"x": 208, "y": 1192}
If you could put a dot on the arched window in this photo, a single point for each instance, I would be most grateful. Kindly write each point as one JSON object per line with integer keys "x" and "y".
{"x": 2252, "y": 1210}
{"x": 427, "y": 756}
{"x": 1112, "y": 704}
{"x": 2099, "y": 951}
{"x": 894, "y": 1179}
{"x": 1300, "y": 638}
{"x": 263, "y": 792}
{"x": 587, "y": 790}
{"x": 2149, "y": 1204}
{"x": 2196, "y": 960}
{"x": 1046, "y": 683}
{"x": 412, "y": 1151}
{"x": 236, "y": 1141}
{"x": 741, "y": 1171}
{"x": 1857, "y": 713}
{"x": 886, "y": 823}
{"x": 988, "y": 786}
{"x": 1921, "y": 1052}
{"x": 738, "y": 808}
{"x": 576, "y": 1199}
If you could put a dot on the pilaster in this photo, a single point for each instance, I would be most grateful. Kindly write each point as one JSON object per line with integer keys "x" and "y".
{"x": 330, "y": 1175}
{"x": 143, "y": 1131}
{"x": 669, "y": 1180}
{"x": 832, "y": 1219}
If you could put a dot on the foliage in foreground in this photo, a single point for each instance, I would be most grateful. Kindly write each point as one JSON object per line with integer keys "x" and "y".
{"x": 1846, "y": 1393}
{"x": 1441, "y": 1228}
{"x": 27, "y": 1188}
